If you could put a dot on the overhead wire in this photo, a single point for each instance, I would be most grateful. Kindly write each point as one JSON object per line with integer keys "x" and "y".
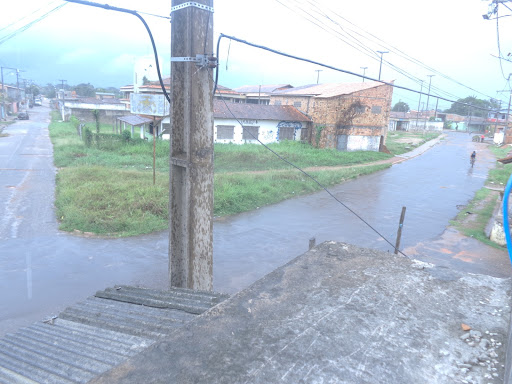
{"x": 27, "y": 26}
{"x": 373, "y": 39}
{"x": 24, "y": 17}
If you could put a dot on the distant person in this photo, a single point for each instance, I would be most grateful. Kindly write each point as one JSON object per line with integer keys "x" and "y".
{"x": 472, "y": 158}
{"x": 482, "y": 138}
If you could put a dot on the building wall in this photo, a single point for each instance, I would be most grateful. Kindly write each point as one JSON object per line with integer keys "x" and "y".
{"x": 268, "y": 131}
{"x": 363, "y": 113}
{"x": 108, "y": 113}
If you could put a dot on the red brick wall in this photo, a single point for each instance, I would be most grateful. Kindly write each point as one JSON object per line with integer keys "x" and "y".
{"x": 333, "y": 115}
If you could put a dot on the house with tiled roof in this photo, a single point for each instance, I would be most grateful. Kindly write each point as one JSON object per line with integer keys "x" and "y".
{"x": 346, "y": 116}
{"x": 247, "y": 123}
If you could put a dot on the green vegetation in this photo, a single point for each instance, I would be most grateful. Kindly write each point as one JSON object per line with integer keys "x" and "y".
{"x": 399, "y": 142}
{"x": 254, "y": 157}
{"x": 236, "y": 193}
{"x": 473, "y": 224}
{"x": 106, "y": 187}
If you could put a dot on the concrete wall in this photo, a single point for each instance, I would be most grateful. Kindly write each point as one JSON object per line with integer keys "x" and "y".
{"x": 108, "y": 112}
{"x": 422, "y": 125}
{"x": 268, "y": 130}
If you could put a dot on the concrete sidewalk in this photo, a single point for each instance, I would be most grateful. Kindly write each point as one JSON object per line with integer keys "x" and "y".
{"x": 340, "y": 314}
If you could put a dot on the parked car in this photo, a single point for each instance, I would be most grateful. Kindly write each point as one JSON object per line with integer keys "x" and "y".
{"x": 23, "y": 115}
{"x": 38, "y": 102}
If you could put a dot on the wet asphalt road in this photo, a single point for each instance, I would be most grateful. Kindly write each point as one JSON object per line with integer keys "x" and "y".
{"x": 43, "y": 270}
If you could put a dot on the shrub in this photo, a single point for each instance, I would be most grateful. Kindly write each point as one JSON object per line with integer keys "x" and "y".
{"x": 87, "y": 137}
{"x": 126, "y": 135}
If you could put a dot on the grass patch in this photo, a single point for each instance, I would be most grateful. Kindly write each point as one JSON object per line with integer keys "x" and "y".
{"x": 235, "y": 193}
{"x": 111, "y": 202}
{"x": 481, "y": 208}
{"x": 399, "y": 142}
{"x": 109, "y": 190}
{"x": 254, "y": 157}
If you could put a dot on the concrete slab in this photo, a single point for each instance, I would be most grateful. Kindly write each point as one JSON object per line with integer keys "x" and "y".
{"x": 340, "y": 314}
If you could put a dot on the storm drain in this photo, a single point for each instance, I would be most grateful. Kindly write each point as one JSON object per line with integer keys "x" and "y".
{"x": 93, "y": 336}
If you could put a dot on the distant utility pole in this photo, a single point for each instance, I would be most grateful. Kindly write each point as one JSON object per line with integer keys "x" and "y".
{"x": 62, "y": 83}
{"x": 419, "y": 102}
{"x": 381, "y": 53}
{"x": 318, "y": 74}
{"x": 364, "y": 71}
{"x": 191, "y": 152}
{"x": 429, "y": 83}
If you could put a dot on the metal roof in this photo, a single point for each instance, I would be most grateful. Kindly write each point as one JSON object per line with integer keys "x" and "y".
{"x": 328, "y": 90}
{"x": 98, "y": 334}
{"x": 226, "y": 110}
{"x": 261, "y": 88}
{"x": 134, "y": 120}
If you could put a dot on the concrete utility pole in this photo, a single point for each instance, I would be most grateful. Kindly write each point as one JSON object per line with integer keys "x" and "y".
{"x": 364, "y": 71}
{"x": 318, "y": 74}
{"x": 429, "y": 83}
{"x": 191, "y": 154}
{"x": 419, "y": 103}
{"x": 381, "y": 53}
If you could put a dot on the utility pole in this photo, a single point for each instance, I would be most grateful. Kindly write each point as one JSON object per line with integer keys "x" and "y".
{"x": 62, "y": 83}
{"x": 318, "y": 74}
{"x": 381, "y": 53}
{"x": 364, "y": 71}
{"x": 419, "y": 103}
{"x": 429, "y": 83}
{"x": 191, "y": 152}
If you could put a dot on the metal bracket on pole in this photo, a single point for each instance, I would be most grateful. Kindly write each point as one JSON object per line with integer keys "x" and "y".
{"x": 191, "y": 4}
{"x": 202, "y": 61}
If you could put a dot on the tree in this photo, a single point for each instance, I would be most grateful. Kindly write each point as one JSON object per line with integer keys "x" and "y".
{"x": 473, "y": 106}
{"x": 401, "y": 107}
{"x": 85, "y": 90}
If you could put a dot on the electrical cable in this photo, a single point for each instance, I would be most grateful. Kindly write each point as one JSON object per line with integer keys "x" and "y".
{"x": 338, "y": 69}
{"x": 297, "y": 167}
{"x": 402, "y": 54}
{"x": 131, "y": 12}
{"x": 27, "y": 26}
{"x": 24, "y": 17}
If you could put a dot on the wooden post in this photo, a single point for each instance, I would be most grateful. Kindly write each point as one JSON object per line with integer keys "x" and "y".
{"x": 154, "y": 150}
{"x": 399, "y": 233}
{"x": 312, "y": 242}
{"x": 191, "y": 153}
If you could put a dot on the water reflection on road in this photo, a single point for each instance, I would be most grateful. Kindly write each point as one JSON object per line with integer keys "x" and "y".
{"x": 43, "y": 271}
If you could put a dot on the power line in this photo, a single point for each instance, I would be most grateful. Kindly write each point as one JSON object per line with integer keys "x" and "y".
{"x": 335, "y": 69}
{"x": 27, "y": 26}
{"x": 373, "y": 40}
{"x": 24, "y": 17}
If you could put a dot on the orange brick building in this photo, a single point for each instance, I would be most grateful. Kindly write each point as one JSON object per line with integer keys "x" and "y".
{"x": 348, "y": 117}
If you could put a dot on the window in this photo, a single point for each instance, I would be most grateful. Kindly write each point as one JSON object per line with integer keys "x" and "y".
{"x": 286, "y": 133}
{"x": 297, "y": 104}
{"x": 277, "y": 102}
{"x": 360, "y": 109}
{"x": 225, "y": 132}
{"x": 250, "y": 133}
{"x": 376, "y": 109}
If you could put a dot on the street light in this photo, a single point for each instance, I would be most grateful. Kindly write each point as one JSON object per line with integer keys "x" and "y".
{"x": 381, "y": 53}
{"x": 364, "y": 71}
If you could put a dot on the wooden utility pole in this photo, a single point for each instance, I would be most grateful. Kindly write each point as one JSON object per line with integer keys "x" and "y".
{"x": 191, "y": 154}
{"x": 399, "y": 233}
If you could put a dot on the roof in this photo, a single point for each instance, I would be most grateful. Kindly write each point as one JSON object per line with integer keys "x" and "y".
{"x": 329, "y": 89}
{"x": 225, "y": 90}
{"x": 226, "y": 110}
{"x": 338, "y": 313}
{"x": 94, "y": 336}
{"x": 93, "y": 100}
{"x": 262, "y": 88}
{"x": 134, "y": 120}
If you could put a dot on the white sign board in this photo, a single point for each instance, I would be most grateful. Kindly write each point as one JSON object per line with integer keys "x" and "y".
{"x": 152, "y": 105}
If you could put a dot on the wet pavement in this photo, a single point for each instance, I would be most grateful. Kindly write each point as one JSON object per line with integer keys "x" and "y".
{"x": 43, "y": 270}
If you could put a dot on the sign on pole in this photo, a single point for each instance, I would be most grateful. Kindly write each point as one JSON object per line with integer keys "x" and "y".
{"x": 152, "y": 105}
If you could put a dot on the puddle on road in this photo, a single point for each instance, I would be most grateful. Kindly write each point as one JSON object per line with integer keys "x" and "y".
{"x": 464, "y": 254}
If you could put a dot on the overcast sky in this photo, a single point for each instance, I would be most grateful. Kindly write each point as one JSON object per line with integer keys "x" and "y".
{"x": 446, "y": 38}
